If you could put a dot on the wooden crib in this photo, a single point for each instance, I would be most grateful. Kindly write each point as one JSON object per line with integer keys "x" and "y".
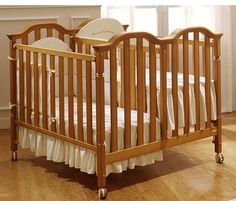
{"x": 126, "y": 56}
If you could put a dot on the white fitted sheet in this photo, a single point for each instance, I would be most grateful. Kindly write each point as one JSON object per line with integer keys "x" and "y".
{"x": 84, "y": 159}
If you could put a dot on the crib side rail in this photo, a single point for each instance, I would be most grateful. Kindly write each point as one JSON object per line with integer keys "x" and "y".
{"x": 45, "y": 74}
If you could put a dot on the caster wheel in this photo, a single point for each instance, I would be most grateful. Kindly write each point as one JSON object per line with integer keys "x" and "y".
{"x": 219, "y": 158}
{"x": 14, "y": 156}
{"x": 102, "y": 193}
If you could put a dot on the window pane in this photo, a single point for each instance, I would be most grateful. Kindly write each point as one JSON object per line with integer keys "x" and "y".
{"x": 145, "y": 19}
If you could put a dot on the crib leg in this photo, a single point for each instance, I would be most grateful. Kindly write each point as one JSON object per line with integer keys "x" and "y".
{"x": 101, "y": 167}
{"x": 218, "y": 143}
{"x": 14, "y": 143}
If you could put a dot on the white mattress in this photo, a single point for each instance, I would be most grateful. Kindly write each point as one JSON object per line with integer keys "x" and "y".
{"x": 78, "y": 157}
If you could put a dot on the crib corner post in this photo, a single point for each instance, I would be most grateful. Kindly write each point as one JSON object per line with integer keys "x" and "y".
{"x": 100, "y": 119}
{"x": 217, "y": 65}
{"x": 13, "y": 95}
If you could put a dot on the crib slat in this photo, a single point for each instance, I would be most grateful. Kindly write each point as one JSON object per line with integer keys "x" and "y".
{"x": 174, "y": 70}
{"x": 44, "y": 92}
{"x": 61, "y": 96}
{"x": 71, "y": 98}
{"x": 186, "y": 83}
{"x": 113, "y": 89}
{"x": 89, "y": 96}
{"x": 25, "y": 40}
{"x": 163, "y": 92}
{"x": 52, "y": 93}
{"x": 49, "y": 32}
{"x": 208, "y": 81}
{"x": 61, "y": 36}
{"x": 80, "y": 99}
{"x": 122, "y": 77}
{"x": 127, "y": 93}
{"x": 140, "y": 89}
{"x": 37, "y": 34}
{"x": 28, "y": 87}
{"x": 36, "y": 90}
{"x": 132, "y": 79}
{"x": 21, "y": 82}
{"x": 196, "y": 79}
{"x": 153, "y": 92}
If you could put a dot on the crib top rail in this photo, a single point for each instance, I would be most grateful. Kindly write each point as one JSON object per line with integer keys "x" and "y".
{"x": 71, "y": 55}
{"x": 175, "y": 36}
{"x": 48, "y": 26}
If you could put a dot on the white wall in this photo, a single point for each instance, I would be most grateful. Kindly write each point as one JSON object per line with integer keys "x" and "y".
{"x": 15, "y": 18}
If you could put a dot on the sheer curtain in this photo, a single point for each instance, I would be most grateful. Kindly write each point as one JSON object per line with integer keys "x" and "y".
{"x": 162, "y": 20}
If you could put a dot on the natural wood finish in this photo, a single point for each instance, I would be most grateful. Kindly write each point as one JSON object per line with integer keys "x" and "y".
{"x": 174, "y": 71}
{"x": 44, "y": 93}
{"x": 13, "y": 93}
{"x": 49, "y": 32}
{"x": 153, "y": 92}
{"x": 217, "y": 77}
{"x": 186, "y": 82}
{"x": 28, "y": 87}
{"x": 100, "y": 120}
{"x": 71, "y": 55}
{"x": 80, "y": 99}
{"x": 127, "y": 93}
{"x": 208, "y": 81}
{"x": 58, "y": 136}
{"x": 132, "y": 79}
{"x": 21, "y": 83}
{"x": 140, "y": 91}
{"x": 61, "y": 36}
{"x": 155, "y": 146}
{"x": 37, "y": 34}
{"x": 196, "y": 79}
{"x": 89, "y": 97}
{"x": 52, "y": 93}
{"x": 71, "y": 98}
{"x": 122, "y": 74}
{"x": 61, "y": 97}
{"x": 36, "y": 89}
{"x": 113, "y": 100}
{"x": 163, "y": 92}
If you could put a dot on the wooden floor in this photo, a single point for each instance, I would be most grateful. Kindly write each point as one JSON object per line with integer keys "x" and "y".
{"x": 189, "y": 172}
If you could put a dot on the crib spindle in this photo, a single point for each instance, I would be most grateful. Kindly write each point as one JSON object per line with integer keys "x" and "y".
{"x": 36, "y": 89}
{"x": 89, "y": 96}
{"x": 186, "y": 82}
{"x": 174, "y": 69}
{"x": 140, "y": 90}
{"x": 21, "y": 83}
{"x": 71, "y": 98}
{"x": 49, "y": 32}
{"x": 208, "y": 81}
{"x": 196, "y": 79}
{"x": 153, "y": 92}
{"x": 127, "y": 93}
{"x": 52, "y": 92}
{"x": 61, "y": 36}
{"x": 28, "y": 87}
{"x": 61, "y": 96}
{"x": 44, "y": 92}
{"x": 80, "y": 98}
{"x": 113, "y": 100}
{"x": 163, "y": 92}
{"x": 132, "y": 79}
{"x": 37, "y": 34}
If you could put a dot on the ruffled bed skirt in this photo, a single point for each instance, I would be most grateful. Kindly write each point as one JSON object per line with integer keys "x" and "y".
{"x": 75, "y": 156}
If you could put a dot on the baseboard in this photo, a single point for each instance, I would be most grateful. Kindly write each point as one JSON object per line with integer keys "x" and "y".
{"x": 4, "y": 123}
{"x": 4, "y": 117}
